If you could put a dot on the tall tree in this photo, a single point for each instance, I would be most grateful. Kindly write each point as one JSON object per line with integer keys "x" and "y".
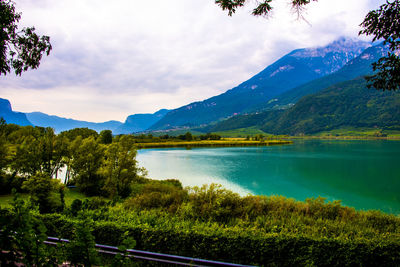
{"x": 38, "y": 150}
{"x": 120, "y": 168}
{"x": 384, "y": 23}
{"x": 87, "y": 157}
{"x": 19, "y": 50}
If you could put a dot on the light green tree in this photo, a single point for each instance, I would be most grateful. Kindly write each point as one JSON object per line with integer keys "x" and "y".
{"x": 86, "y": 159}
{"x": 120, "y": 167}
{"x": 38, "y": 150}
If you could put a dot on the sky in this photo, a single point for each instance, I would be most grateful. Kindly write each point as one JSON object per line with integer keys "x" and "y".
{"x": 112, "y": 59}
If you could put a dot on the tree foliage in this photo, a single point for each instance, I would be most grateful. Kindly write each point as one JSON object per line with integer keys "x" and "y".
{"x": 19, "y": 50}
{"x": 384, "y": 23}
{"x": 263, "y": 8}
{"x": 87, "y": 155}
{"x": 45, "y": 192}
{"x": 119, "y": 168}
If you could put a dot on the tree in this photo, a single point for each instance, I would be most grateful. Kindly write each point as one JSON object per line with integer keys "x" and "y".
{"x": 384, "y": 23}
{"x": 38, "y": 150}
{"x": 3, "y": 146}
{"x": 87, "y": 157}
{"x": 106, "y": 137}
{"x": 46, "y": 192}
{"x": 120, "y": 168}
{"x": 19, "y": 50}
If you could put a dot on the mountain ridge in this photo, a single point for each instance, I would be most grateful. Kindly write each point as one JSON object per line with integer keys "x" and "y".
{"x": 11, "y": 116}
{"x": 284, "y": 74}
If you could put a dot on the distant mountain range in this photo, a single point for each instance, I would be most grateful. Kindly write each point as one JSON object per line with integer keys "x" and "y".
{"x": 335, "y": 101}
{"x": 134, "y": 123}
{"x": 306, "y": 91}
{"x": 62, "y": 124}
{"x": 294, "y": 69}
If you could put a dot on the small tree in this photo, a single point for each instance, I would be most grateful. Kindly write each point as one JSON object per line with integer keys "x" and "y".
{"x": 82, "y": 248}
{"x": 106, "y": 137}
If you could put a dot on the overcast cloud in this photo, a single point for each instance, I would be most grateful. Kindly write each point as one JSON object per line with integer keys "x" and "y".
{"x": 111, "y": 59}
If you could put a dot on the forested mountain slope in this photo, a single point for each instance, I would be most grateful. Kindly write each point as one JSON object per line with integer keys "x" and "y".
{"x": 359, "y": 66}
{"x": 292, "y": 70}
{"x": 349, "y": 103}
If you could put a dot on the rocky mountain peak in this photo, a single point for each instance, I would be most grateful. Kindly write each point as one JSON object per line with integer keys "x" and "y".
{"x": 5, "y": 105}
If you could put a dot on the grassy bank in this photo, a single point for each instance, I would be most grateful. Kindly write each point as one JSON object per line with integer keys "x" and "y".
{"x": 213, "y": 143}
{"x": 70, "y": 195}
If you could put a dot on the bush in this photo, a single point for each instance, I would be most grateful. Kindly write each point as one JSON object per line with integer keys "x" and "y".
{"x": 46, "y": 192}
{"x": 167, "y": 195}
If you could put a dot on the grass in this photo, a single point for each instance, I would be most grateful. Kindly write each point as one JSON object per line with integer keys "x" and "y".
{"x": 70, "y": 195}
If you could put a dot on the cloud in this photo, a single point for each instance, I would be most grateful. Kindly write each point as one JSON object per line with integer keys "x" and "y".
{"x": 123, "y": 57}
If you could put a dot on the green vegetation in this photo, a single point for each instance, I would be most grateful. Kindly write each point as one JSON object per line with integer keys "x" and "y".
{"x": 125, "y": 208}
{"x": 241, "y": 132}
{"x": 344, "y": 105}
{"x": 384, "y": 23}
{"x": 214, "y": 223}
{"x": 20, "y": 50}
{"x": 370, "y": 133}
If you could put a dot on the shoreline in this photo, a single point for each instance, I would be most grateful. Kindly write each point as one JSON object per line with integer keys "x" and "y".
{"x": 222, "y": 143}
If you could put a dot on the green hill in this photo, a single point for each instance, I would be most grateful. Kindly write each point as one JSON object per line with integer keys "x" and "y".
{"x": 345, "y": 104}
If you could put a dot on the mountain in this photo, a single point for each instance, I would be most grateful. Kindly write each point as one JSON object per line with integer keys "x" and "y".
{"x": 268, "y": 112}
{"x": 140, "y": 122}
{"x": 359, "y": 66}
{"x": 62, "y": 124}
{"x": 345, "y": 104}
{"x": 296, "y": 68}
{"x": 11, "y": 116}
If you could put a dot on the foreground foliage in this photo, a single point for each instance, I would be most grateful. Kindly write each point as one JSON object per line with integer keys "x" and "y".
{"x": 214, "y": 223}
{"x": 128, "y": 209}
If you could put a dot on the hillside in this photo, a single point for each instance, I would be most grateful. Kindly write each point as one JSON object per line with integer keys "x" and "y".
{"x": 345, "y": 104}
{"x": 11, "y": 116}
{"x": 359, "y": 66}
{"x": 296, "y": 68}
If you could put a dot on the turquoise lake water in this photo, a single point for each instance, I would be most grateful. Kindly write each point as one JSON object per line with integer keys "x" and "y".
{"x": 363, "y": 174}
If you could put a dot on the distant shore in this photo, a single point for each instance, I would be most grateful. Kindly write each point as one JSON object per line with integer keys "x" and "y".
{"x": 213, "y": 143}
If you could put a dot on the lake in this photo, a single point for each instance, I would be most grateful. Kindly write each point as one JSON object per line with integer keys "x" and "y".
{"x": 363, "y": 174}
